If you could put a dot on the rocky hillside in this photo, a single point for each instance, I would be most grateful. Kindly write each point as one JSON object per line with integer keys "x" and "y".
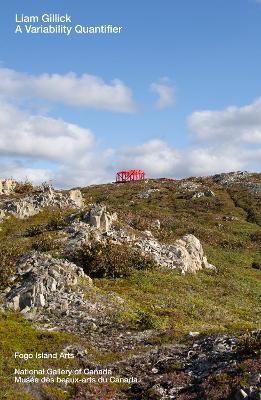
{"x": 143, "y": 290}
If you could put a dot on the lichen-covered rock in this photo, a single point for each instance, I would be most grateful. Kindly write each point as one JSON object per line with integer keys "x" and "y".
{"x": 43, "y": 281}
{"x": 155, "y": 224}
{"x": 57, "y": 295}
{"x": 45, "y": 197}
{"x": 189, "y": 254}
{"x": 229, "y": 178}
{"x": 100, "y": 218}
{"x": 147, "y": 194}
{"x": 7, "y": 186}
{"x": 186, "y": 254}
{"x": 76, "y": 197}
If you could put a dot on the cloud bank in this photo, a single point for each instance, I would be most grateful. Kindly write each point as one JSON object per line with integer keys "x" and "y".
{"x": 234, "y": 124}
{"x": 41, "y": 148}
{"x": 222, "y": 141}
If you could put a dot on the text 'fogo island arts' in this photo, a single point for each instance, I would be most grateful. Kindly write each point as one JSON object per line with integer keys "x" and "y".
{"x": 59, "y": 24}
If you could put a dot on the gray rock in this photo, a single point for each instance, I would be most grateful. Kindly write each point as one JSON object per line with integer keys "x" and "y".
{"x": 147, "y": 193}
{"x": 7, "y": 186}
{"x": 157, "y": 391}
{"x": 76, "y": 197}
{"x": 99, "y": 218}
{"x": 232, "y": 178}
{"x": 230, "y": 218}
{"x": 45, "y": 196}
{"x": 186, "y": 254}
{"x": 189, "y": 186}
{"x": 194, "y": 334}
{"x": 36, "y": 286}
{"x": 207, "y": 193}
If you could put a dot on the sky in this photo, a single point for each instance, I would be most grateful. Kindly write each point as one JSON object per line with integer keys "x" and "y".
{"x": 176, "y": 91}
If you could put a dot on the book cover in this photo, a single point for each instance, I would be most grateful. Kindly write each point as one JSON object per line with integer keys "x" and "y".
{"x": 130, "y": 189}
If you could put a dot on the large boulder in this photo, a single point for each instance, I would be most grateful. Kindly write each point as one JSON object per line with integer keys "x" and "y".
{"x": 76, "y": 197}
{"x": 7, "y": 186}
{"x": 188, "y": 254}
{"x": 100, "y": 218}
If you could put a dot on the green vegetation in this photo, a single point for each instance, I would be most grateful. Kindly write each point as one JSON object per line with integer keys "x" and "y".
{"x": 228, "y": 299}
{"x": 110, "y": 260}
{"x": 17, "y": 335}
{"x": 222, "y": 301}
{"x": 228, "y": 226}
{"x": 40, "y": 232}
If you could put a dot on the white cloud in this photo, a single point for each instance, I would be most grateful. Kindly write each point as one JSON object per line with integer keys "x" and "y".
{"x": 165, "y": 92}
{"x": 159, "y": 159}
{"x": 41, "y": 137}
{"x": 19, "y": 172}
{"x": 67, "y": 152}
{"x": 94, "y": 168}
{"x": 208, "y": 161}
{"x": 222, "y": 141}
{"x": 70, "y": 89}
{"x": 226, "y": 140}
{"x": 154, "y": 156}
{"x": 234, "y": 124}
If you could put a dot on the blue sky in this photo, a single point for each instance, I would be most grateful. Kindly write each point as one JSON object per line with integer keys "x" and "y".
{"x": 177, "y": 93}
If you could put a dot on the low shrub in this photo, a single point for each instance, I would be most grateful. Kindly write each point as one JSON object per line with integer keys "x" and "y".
{"x": 34, "y": 230}
{"x": 250, "y": 343}
{"x": 24, "y": 188}
{"x": 44, "y": 242}
{"x": 107, "y": 259}
{"x": 8, "y": 256}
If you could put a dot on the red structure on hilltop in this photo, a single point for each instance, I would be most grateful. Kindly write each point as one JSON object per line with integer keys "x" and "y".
{"x": 130, "y": 175}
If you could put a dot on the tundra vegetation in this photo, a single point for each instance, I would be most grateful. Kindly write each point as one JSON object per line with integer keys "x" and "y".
{"x": 158, "y": 300}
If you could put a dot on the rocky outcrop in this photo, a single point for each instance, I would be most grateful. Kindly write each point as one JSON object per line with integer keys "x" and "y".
{"x": 147, "y": 194}
{"x": 46, "y": 196}
{"x": 206, "y": 193}
{"x": 7, "y": 186}
{"x": 206, "y": 367}
{"x": 77, "y": 233}
{"x": 238, "y": 178}
{"x": 189, "y": 186}
{"x": 57, "y": 295}
{"x": 76, "y": 197}
{"x": 155, "y": 224}
{"x": 99, "y": 218}
{"x": 186, "y": 254}
{"x": 45, "y": 282}
{"x": 229, "y": 178}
